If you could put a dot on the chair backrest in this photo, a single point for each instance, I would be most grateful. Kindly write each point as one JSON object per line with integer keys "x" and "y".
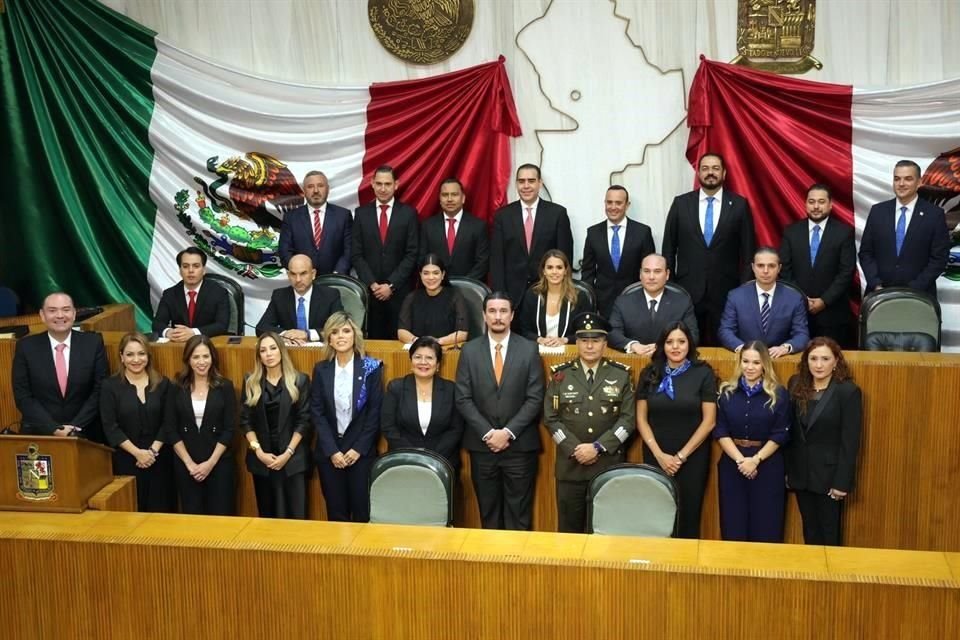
{"x": 353, "y": 295}
{"x": 899, "y": 310}
{"x": 900, "y": 341}
{"x": 670, "y": 286}
{"x": 235, "y": 296}
{"x": 412, "y": 486}
{"x": 473, "y": 292}
{"x": 633, "y": 500}
{"x": 587, "y": 288}
{"x": 9, "y": 302}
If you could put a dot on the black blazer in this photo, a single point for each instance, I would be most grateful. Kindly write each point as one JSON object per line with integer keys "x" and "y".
{"x": 400, "y": 419}
{"x": 393, "y": 262}
{"x": 212, "y": 315}
{"x": 512, "y": 267}
{"x": 361, "y": 433}
{"x": 296, "y": 237}
{"x": 832, "y": 274}
{"x": 923, "y": 257}
{"x": 822, "y": 452}
{"x": 597, "y": 270}
{"x": 630, "y": 318}
{"x": 471, "y": 248}
{"x": 217, "y": 426}
{"x": 294, "y": 417}
{"x": 281, "y": 313}
{"x": 709, "y": 273}
{"x": 533, "y": 326}
{"x": 124, "y": 417}
{"x": 515, "y": 404}
{"x": 36, "y": 391}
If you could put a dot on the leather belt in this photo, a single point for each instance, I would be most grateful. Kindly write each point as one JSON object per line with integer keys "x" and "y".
{"x": 747, "y": 443}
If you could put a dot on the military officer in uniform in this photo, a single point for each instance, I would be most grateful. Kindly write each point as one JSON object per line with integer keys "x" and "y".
{"x": 590, "y": 410}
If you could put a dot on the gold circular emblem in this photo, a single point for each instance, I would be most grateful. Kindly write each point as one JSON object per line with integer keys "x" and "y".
{"x": 421, "y": 31}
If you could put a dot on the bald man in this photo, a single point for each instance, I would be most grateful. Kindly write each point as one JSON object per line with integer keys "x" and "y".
{"x": 298, "y": 312}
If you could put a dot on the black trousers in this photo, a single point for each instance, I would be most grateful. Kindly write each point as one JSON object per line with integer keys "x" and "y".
{"x": 156, "y": 491}
{"x": 382, "y": 317}
{"x": 843, "y": 333}
{"x": 708, "y": 323}
{"x": 346, "y": 491}
{"x": 691, "y": 485}
{"x": 822, "y": 518}
{"x": 505, "y": 483}
{"x": 281, "y": 496}
{"x": 215, "y": 496}
{"x": 572, "y": 506}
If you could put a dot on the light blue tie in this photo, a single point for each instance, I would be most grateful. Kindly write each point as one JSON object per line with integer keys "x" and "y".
{"x": 708, "y": 222}
{"x": 901, "y": 228}
{"x": 814, "y": 244}
{"x": 615, "y": 248}
{"x": 301, "y": 315}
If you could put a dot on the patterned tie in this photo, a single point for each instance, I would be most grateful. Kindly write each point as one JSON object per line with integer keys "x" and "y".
{"x": 814, "y": 244}
{"x": 615, "y": 248}
{"x": 301, "y": 315}
{"x": 317, "y": 229}
{"x": 765, "y": 312}
{"x": 61, "y": 363}
{"x": 901, "y": 228}
{"x": 383, "y": 224}
{"x": 191, "y": 306}
{"x": 708, "y": 222}
{"x": 590, "y": 377}
{"x": 528, "y": 228}
{"x": 498, "y": 363}
{"x": 451, "y": 235}
{"x": 653, "y": 310}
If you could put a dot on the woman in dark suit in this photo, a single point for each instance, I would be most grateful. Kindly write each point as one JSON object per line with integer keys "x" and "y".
{"x": 275, "y": 415}
{"x": 822, "y": 455}
{"x": 435, "y": 309}
{"x": 418, "y": 409}
{"x": 549, "y": 306}
{"x": 200, "y": 420}
{"x": 676, "y": 411}
{"x": 131, "y": 410}
{"x": 345, "y": 399}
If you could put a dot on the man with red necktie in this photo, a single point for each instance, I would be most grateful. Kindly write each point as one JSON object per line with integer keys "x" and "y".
{"x": 384, "y": 252}
{"x": 455, "y": 235}
{"x": 318, "y": 229}
{"x": 189, "y": 307}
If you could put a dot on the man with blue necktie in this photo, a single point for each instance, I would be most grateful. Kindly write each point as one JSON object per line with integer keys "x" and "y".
{"x": 298, "y": 312}
{"x": 905, "y": 242}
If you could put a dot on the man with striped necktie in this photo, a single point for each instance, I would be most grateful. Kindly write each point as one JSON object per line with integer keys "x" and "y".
{"x": 318, "y": 229}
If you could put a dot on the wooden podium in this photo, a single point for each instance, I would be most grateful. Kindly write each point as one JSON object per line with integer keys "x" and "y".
{"x": 50, "y": 473}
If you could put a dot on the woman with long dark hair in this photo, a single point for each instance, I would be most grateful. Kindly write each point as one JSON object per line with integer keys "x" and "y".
{"x": 434, "y": 309}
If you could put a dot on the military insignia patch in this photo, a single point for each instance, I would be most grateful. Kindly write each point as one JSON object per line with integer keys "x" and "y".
{"x": 35, "y": 475}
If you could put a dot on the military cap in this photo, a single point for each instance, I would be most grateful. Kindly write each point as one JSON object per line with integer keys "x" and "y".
{"x": 590, "y": 324}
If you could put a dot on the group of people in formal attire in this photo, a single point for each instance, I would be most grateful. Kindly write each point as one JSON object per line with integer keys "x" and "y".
{"x": 175, "y": 435}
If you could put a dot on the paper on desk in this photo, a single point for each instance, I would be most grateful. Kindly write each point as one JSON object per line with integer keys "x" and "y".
{"x": 161, "y": 340}
{"x": 552, "y": 350}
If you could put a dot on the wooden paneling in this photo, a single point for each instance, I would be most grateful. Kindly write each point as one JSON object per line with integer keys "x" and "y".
{"x": 119, "y": 495}
{"x": 909, "y": 467}
{"x": 147, "y": 576}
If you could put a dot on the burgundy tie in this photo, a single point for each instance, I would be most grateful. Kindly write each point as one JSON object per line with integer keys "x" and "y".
{"x": 317, "y": 229}
{"x": 383, "y": 224}
{"x": 191, "y": 306}
{"x": 451, "y": 235}
{"x": 61, "y": 364}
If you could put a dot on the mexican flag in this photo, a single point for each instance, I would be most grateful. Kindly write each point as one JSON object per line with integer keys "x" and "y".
{"x": 125, "y": 149}
{"x": 781, "y": 134}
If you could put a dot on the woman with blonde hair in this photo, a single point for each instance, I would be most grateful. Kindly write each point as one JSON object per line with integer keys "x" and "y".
{"x": 345, "y": 399}
{"x": 549, "y": 306}
{"x": 753, "y": 422}
{"x": 132, "y": 405}
{"x": 275, "y": 415}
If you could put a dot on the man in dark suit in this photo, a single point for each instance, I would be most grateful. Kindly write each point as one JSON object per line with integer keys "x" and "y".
{"x": 56, "y": 375}
{"x": 188, "y": 308}
{"x": 385, "y": 252}
{"x": 458, "y": 237}
{"x": 763, "y": 310}
{"x": 708, "y": 243}
{"x": 298, "y": 312}
{"x": 614, "y": 249}
{"x": 819, "y": 255}
{"x": 905, "y": 242}
{"x": 318, "y": 229}
{"x": 522, "y": 232}
{"x": 638, "y": 318}
{"x": 499, "y": 394}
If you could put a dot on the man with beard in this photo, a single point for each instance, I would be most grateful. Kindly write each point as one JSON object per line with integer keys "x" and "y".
{"x": 708, "y": 243}
{"x": 318, "y": 229}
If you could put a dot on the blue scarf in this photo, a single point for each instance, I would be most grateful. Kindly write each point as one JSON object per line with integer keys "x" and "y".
{"x": 751, "y": 391}
{"x": 666, "y": 385}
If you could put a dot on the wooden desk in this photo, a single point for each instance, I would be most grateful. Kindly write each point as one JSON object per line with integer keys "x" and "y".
{"x": 378, "y": 581}
{"x": 906, "y": 495}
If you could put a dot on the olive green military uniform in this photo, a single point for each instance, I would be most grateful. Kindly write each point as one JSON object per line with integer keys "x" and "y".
{"x": 576, "y": 412}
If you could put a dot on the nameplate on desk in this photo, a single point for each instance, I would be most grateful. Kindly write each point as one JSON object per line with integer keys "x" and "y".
{"x": 544, "y": 349}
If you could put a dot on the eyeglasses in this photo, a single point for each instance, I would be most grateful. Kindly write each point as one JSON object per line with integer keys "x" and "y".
{"x": 422, "y": 358}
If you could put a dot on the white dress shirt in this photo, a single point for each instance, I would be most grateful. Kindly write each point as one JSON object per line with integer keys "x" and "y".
{"x": 622, "y": 235}
{"x": 647, "y": 297}
{"x": 186, "y": 300}
{"x": 533, "y": 210}
{"x": 717, "y": 202}
{"x": 66, "y": 352}
{"x": 378, "y": 204}
{"x": 314, "y": 335}
{"x": 343, "y": 394}
{"x": 199, "y": 406}
{"x": 456, "y": 224}
{"x": 323, "y": 215}
{"x": 424, "y": 411}
{"x": 909, "y": 215}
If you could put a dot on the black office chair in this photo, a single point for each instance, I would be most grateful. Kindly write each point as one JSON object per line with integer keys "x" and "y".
{"x": 633, "y": 500}
{"x": 897, "y": 319}
{"x": 353, "y": 295}
{"x": 587, "y": 289}
{"x": 412, "y": 486}
{"x": 473, "y": 292}
{"x": 9, "y": 303}
{"x": 235, "y": 296}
